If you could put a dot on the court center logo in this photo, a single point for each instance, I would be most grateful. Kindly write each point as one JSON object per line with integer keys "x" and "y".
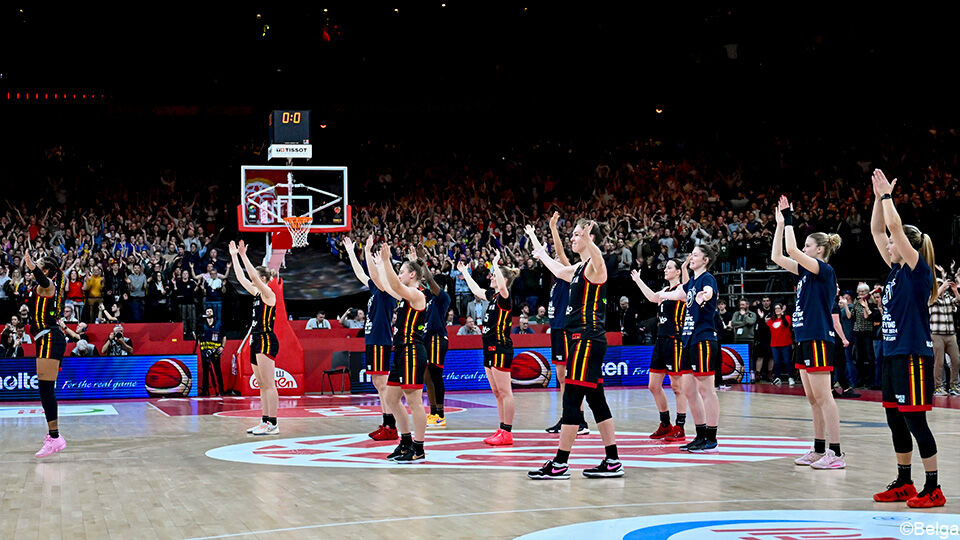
{"x": 756, "y": 524}
{"x": 64, "y": 410}
{"x": 282, "y": 379}
{"x": 465, "y": 448}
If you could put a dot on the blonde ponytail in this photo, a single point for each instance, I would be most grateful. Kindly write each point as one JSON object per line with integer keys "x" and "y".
{"x": 924, "y": 246}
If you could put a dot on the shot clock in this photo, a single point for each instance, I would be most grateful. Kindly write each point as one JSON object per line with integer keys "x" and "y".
{"x": 289, "y": 127}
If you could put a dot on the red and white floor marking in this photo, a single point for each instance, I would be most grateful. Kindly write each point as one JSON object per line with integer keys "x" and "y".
{"x": 342, "y": 411}
{"x": 465, "y": 448}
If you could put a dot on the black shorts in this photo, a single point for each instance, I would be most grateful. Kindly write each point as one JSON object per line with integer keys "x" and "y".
{"x": 701, "y": 358}
{"x": 667, "y": 352}
{"x": 378, "y": 359}
{"x": 409, "y": 363}
{"x": 908, "y": 383}
{"x": 52, "y": 344}
{"x": 559, "y": 345}
{"x": 585, "y": 365}
{"x": 265, "y": 343}
{"x": 814, "y": 355}
{"x": 498, "y": 357}
{"x": 437, "y": 350}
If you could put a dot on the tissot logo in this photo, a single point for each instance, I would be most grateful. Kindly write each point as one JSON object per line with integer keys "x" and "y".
{"x": 294, "y": 150}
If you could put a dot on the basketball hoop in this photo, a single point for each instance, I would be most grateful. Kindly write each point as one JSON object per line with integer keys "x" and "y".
{"x": 299, "y": 227}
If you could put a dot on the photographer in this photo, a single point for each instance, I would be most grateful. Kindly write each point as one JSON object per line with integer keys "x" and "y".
{"x": 117, "y": 344}
{"x": 352, "y": 318}
{"x": 10, "y": 344}
{"x": 945, "y": 337}
{"x": 211, "y": 343}
{"x": 83, "y": 347}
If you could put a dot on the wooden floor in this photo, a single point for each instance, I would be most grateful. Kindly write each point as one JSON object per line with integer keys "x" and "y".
{"x": 173, "y": 469}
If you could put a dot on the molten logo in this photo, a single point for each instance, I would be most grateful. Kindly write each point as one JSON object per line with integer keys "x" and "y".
{"x": 20, "y": 381}
{"x": 281, "y": 377}
{"x": 615, "y": 368}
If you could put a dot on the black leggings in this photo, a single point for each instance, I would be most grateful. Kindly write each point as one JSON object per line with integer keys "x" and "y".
{"x": 902, "y": 424}
{"x": 573, "y": 395}
{"x": 864, "y": 357}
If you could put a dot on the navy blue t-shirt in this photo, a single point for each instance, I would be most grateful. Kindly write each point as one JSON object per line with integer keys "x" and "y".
{"x": 816, "y": 297}
{"x": 437, "y": 307}
{"x": 378, "y": 330}
{"x": 906, "y": 319}
{"x": 698, "y": 322}
{"x": 557, "y": 309}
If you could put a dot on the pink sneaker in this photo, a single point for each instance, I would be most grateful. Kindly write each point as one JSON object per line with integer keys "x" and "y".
{"x": 808, "y": 458}
{"x": 829, "y": 461}
{"x": 51, "y": 446}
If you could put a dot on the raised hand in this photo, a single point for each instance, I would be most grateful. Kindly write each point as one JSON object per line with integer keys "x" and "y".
{"x": 783, "y": 204}
{"x": 422, "y": 252}
{"x": 779, "y": 215}
{"x": 385, "y": 252}
{"x": 348, "y": 243}
{"x": 686, "y": 262}
{"x": 635, "y": 275}
{"x": 585, "y": 232}
{"x": 882, "y": 186}
{"x": 462, "y": 268}
{"x": 554, "y": 219}
{"x": 496, "y": 257}
{"x": 242, "y": 248}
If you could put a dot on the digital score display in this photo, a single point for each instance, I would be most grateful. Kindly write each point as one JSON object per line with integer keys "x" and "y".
{"x": 289, "y": 127}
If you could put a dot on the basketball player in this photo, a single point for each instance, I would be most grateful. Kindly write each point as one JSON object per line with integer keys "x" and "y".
{"x": 667, "y": 352}
{"x": 813, "y": 330}
{"x": 497, "y": 344}
{"x": 409, "y": 359}
{"x": 264, "y": 344}
{"x": 559, "y": 339}
{"x": 701, "y": 350}
{"x": 586, "y": 318}
{"x": 907, "y": 345}
{"x": 437, "y": 341}
{"x": 377, "y": 332}
{"x": 50, "y": 342}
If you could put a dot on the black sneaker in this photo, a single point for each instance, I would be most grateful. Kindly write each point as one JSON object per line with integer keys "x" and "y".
{"x": 554, "y": 428}
{"x": 583, "y": 429}
{"x": 549, "y": 471}
{"x": 399, "y": 451}
{"x": 696, "y": 441}
{"x": 704, "y": 447}
{"x": 410, "y": 456}
{"x": 850, "y": 393}
{"x": 608, "y": 468}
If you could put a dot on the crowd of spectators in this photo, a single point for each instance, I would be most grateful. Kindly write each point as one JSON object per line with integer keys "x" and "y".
{"x": 150, "y": 252}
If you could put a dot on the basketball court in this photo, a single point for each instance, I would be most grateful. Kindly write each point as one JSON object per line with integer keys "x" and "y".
{"x": 183, "y": 468}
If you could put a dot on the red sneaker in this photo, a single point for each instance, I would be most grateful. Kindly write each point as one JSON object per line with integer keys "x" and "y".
{"x": 927, "y": 500}
{"x": 500, "y": 438}
{"x": 676, "y": 434}
{"x": 662, "y": 431}
{"x": 373, "y": 434}
{"x": 387, "y": 434}
{"x": 897, "y": 492}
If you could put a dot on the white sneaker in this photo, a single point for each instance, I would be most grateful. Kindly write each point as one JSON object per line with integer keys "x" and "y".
{"x": 955, "y": 390}
{"x": 792, "y": 382}
{"x": 266, "y": 429}
{"x": 776, "y": 381}
{"x": 808, "y": 458}
{"x": 940, "y": 391}
{"x": 256, "y": 427}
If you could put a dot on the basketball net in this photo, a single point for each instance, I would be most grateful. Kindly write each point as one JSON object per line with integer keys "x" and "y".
{"x": 299, "y": 227}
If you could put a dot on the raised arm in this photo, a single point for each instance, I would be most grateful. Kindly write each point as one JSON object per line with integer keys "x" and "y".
{"x": 776, "y": 251}
{"x": 558, "y": 269}
{"x": 597, "y": 267}
{"x": 414, "y": 296}
{"x": 427, "y": 273}
{"x": 265, "y": 291}
{"x": 241, "y": 276}
{"x": 647, "y": 291}
{"x": 498, "y": 278}
{"x": 878, "y": 226}
{"x": 790, "y": 239}
{"x": 557, "y": 242}
{"x": 884, "y": 189}
{"x": 477, "y": 291}
{"x": 685, "y": 270}
{"x": 349, "y": 246}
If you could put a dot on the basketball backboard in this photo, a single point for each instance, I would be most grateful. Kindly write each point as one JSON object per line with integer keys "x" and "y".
{"x": 270, "y": 193}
